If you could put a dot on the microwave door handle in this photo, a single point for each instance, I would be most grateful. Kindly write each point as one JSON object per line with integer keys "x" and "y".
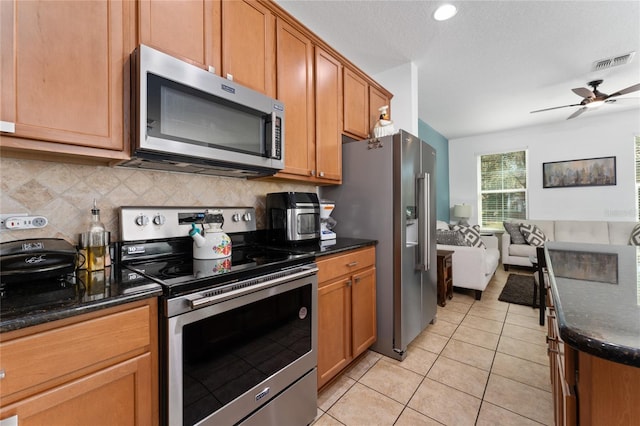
{"x": 273, "y": 134}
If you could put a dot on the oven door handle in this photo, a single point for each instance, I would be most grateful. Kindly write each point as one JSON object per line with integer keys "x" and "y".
{"x": 197, "y": 300}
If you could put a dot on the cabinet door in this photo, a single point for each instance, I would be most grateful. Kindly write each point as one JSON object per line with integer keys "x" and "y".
{"x": 377, "y": 99}
{"x": 248, "y": 45}
{"x": 334, "y": 325}
{"x": 328, "y": 117}
{"x": 118, "y": 395}
{"x": 363, "y": 311}
{"x": 356, "y": 104}
{"x": 295, "y": 89}
{"x": 182, "y": 28}
{"x": 63, "y": 67}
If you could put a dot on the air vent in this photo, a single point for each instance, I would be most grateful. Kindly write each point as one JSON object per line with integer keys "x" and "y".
{"x": 612, "y": 62}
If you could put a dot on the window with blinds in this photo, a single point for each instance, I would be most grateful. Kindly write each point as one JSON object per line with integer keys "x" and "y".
{"x": 503, "y": 188}
{"x": 638, "y": 177}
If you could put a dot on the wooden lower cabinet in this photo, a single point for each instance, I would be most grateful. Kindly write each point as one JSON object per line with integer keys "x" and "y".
{"x": 346, "y": 309}
{"x": 589, "y": 390}
{"x": 562, "y": 362}
{"x": 98, "y": 368}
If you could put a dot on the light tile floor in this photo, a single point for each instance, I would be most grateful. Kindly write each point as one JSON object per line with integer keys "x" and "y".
{"x": 482, "y": 363}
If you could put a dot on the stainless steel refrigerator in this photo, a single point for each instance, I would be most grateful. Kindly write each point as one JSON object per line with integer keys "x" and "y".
{"x": 387, "y": 194}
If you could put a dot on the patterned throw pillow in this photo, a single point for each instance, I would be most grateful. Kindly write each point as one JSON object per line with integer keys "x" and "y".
{"x": 442, "y": 225}
{"x": 634, "y": 239}
{"x": 513, "y": 228}
{"x": 471, "y": 235}
{"x": 449, "y": 237}
{"x": 533, "y": 234}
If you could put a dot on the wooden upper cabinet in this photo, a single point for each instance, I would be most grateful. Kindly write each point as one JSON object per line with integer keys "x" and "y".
{"x": 248, "y": 45}
{"x": 377, "y": 99}
{"x": 295, "y": 90}
{"x": 187, "y": 29}
{"x": 64, "y": 64}
{"x": 328, "y": 116}
{"x": 356, "y": 104}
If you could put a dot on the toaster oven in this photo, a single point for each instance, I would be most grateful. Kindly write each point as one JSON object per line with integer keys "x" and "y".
{"x": 293, "y": 217}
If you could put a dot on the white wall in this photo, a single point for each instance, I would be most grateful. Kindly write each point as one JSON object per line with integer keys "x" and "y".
{"x": 402, "y": 81}
{"x": 585, "y": 137}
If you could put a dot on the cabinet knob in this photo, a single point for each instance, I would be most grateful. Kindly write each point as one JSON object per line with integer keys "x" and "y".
{"x": 2, "y": 374}
{"x": 321, "y": 174}
{"x": 7, "y": 127}
{"x": 352, "y": 264}
{"x": 349, "y": 283}
{"x": 10, "y": 421}
{"x": 358, "y": 279}
{"x": 313, "y": 172}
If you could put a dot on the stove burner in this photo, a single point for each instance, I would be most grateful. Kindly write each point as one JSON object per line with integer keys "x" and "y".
{"x": 261, "y": 258}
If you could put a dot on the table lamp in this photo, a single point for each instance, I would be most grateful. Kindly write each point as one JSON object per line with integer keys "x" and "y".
{"x": 463, "y": 212}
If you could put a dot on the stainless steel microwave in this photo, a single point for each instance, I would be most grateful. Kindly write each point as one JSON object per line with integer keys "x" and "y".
{"x": 190, "y": 120}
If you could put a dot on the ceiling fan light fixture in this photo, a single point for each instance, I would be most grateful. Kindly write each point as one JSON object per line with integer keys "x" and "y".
{"x": 444, "y": 12}
{"x": 594, "y": 104}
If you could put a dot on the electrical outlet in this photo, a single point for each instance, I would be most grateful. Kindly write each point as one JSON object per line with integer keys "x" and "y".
{"x": 4, "y": 217}
{"x": 22, "y": 221}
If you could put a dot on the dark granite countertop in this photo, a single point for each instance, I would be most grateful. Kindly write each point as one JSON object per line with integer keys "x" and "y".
{"x": 117, "y": 286}
{"x": 328, "y": 247}
{"x": 120, "y": 286}
{"x": 596, "y": 293}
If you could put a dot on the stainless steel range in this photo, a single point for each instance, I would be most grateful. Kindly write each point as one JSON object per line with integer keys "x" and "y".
{"x": 238, "y": 335}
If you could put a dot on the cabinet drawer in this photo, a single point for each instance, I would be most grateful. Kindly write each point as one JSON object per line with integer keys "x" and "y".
{"x": 342, "y": 264}
{"x": 36, "y": 359}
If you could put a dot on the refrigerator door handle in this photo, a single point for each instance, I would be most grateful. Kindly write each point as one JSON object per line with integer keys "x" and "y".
{"x": 424, "y": 219}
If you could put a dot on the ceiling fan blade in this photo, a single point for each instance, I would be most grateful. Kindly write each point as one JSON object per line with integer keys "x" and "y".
{"x": 626, "y": 100}
{"x": 549, "y": 109}
{"x": 629, "y": 89}
{"x": 583, "y": 92}
{"x": 577, "y": 113}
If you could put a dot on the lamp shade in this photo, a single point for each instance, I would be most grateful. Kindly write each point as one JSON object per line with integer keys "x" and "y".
{"x": 462, "y": 211}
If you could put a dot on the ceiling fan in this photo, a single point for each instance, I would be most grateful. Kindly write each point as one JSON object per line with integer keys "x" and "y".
{"x": 593, "y": 98}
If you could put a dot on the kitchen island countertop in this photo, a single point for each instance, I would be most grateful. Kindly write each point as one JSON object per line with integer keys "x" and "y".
{"x": 596, "y": 294}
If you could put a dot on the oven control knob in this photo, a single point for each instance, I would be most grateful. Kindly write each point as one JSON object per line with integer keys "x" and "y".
{"x": 142, "y": 220}
{"x": 159, "y": 219}
{"x": 246, "y": 217}
{"x": 235, "y": 217}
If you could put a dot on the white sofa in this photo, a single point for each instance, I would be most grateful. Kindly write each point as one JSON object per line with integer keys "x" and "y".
{"x": 574, "y": 231}
{"x": 473, "y": 267}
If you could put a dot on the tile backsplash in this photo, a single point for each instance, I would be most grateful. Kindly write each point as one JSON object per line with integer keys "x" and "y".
{"x": 64, "y": 194}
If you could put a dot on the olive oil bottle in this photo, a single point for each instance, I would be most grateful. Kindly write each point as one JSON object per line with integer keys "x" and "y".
{"x": 97, "y": 241}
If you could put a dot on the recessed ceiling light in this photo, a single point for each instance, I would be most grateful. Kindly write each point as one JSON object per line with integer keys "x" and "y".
{"x": 444, "y": 12}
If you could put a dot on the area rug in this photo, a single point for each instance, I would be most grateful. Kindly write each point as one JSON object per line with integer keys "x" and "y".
{"x": 518, "y": 290}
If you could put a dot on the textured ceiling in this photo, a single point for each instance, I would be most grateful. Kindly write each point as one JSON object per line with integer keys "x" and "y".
{"x": 494, "y": 62}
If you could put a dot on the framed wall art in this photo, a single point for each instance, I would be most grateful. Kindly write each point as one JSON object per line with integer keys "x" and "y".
{"x": 586, "y": 172}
